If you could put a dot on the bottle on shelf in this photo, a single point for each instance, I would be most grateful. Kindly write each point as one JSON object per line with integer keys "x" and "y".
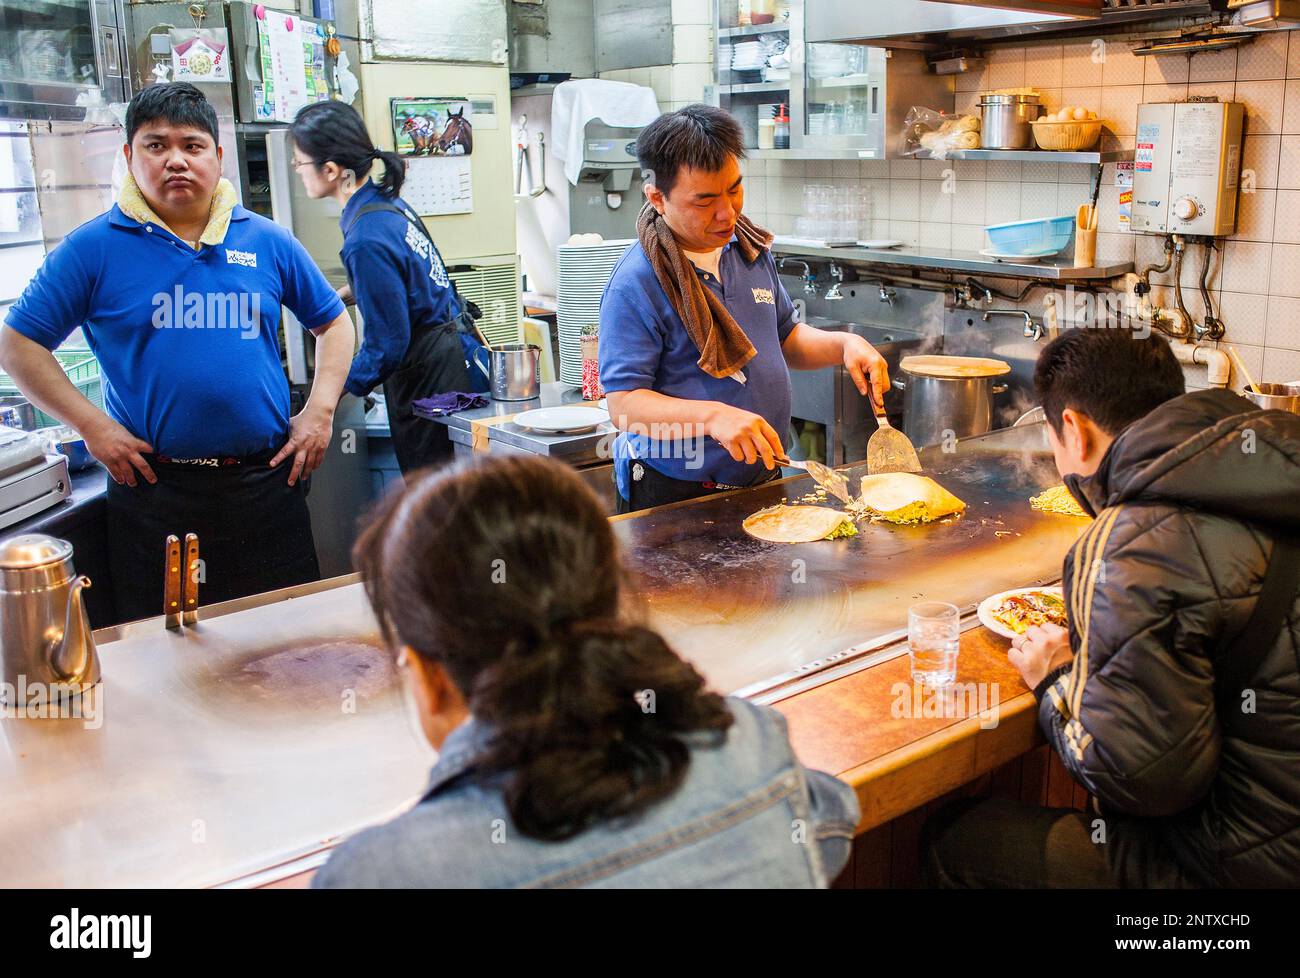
{"x": 781, "y": 135}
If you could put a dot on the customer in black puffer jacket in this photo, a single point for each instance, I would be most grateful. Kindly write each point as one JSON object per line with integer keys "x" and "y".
{"x": 1196, "y": 778}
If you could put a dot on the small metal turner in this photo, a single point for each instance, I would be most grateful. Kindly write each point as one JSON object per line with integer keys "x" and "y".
{"x": 826, "y": 477}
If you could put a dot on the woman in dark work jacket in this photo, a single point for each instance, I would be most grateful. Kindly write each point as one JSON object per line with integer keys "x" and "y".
{"x": 576, "y": 749}
{"x": 400, "y": 284}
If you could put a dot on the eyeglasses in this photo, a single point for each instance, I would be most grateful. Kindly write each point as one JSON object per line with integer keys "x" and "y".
{"x": 299, "y": 164}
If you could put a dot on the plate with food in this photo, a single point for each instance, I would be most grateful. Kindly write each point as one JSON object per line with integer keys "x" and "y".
{"x": 1012, "y": 613}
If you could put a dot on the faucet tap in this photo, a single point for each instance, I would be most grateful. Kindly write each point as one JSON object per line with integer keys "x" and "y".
{"x": 887, "y": 294}
{"x": 837, "y": 273}
{"x": 1033, "y": 330}
{"x": 809, "y": 277}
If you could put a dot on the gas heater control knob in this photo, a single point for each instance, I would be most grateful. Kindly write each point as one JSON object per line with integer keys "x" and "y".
{"x": 1186, "y": 208}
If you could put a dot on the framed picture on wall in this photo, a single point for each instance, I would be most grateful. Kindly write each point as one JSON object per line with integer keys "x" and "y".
{"x": 432, "y": 126}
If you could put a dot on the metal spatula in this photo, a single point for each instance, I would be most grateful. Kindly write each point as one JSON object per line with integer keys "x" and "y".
{"x": 826, "y": 477}
{"x": 889, "y": 450}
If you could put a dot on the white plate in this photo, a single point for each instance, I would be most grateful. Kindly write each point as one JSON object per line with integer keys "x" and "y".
{"x": 558, "y": 420}
{"x": 879, "y": 243}
{"x": 1019, "y": 259}
{"x": 985, "y": 610}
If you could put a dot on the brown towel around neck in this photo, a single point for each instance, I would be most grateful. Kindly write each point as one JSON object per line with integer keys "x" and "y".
{"x": 724, "y": 347}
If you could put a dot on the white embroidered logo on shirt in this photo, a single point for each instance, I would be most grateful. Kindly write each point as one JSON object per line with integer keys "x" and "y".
{"x": 246, "y": 258}
{"x": 764, "y": 295}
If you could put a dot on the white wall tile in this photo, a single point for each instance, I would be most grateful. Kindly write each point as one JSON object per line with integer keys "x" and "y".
{"x": 936, "y": 235}
{"x": 1255, "y": 217}
{"x": 1166, "y": 69}
{"x": 1119, "y": 108}
{"x": 844, "y": 169}
{"x": 1280, "y": 367}
{"x": 689, "y": 80}
{"x": 1293, "y": 55}
{"x": 973, "y": 81}
{"x": 1122, "y": 66}
{"x": 1260, "y": 158}
{"x": 817, "y": 169}
{"x": 1264, "y": 57}
{"x": 1287, "y": 216}
{"x": 1114, "y": 247}
{"x": 970, "y": 170}
{"x": 1003, "y": 171}
{"x": 1291, "y": 111}
{"x": 967, "y": 237}
{"x": 1245, "y": 317}
{"x": 692, "y": 43}
{"x": 1283, "y": 322}
{"x": 935, "y": 202}
{"x": 691, "y": 12}
{"x": 1285, "y": 270}
{"x": 661, "y": 82}
{"x": 1263, "y": 101}
{"x": 904, "y": 200}
{"x": 873, "y": 169}
{"x": 1164, "y": 93}
{"x": 1083, "y": 62}
{"x": 936, "y": 169}
{"x": 1288, "y": 169}
{"x": 908, "y": 232}
{"x": 905, "y": 169}
{"x": 1246, "y": 266}
{"x": 1006, "y": 67}
{"x": 1070, "y": 195}
{"x": 1044, "y": 64}
{"x": 1037, "y": 200}
{"x": 1040, "y": 172}
{"x": 1253, "y": 358}
{"x": 968, "y": 201}
{"x": 1075, "y": 96}
{"x": 1218, "y": 65}
{"x": 1002, "y": 203}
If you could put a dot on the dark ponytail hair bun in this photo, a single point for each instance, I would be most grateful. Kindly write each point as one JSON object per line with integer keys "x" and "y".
{"x": 334, "y": 132}
{"x": 507, "y": 574}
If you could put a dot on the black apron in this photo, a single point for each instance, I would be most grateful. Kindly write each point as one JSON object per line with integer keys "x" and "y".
{"x": 653, "y": 488}
{"x": 254, "y": 531}
{"x": 434, "y": 364}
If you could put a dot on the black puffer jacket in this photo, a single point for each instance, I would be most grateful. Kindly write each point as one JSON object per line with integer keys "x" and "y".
{"x": 1187, "y": 502}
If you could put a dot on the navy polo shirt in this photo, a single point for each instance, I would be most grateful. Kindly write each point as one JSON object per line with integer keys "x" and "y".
{"x": 399, "y": 281}
{"x": 187, "y": 340}
{"x": 644, "y": 346}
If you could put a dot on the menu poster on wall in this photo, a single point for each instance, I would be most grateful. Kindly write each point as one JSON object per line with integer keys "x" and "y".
{"x": 293, "y": 65}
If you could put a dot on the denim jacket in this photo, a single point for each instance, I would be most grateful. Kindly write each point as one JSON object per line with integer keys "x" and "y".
{"x": 747, "y": 814}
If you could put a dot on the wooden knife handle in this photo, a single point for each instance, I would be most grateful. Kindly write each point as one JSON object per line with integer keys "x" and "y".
{"x": 191, "y": 600}
{"x": 172, "y": 583}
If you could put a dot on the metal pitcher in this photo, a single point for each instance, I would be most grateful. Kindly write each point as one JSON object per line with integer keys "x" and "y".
{"x": 516, "y": 371}
{"x": 45, "y": 636}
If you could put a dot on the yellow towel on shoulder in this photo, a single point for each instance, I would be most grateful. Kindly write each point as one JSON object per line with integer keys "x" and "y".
{"x": 133, "y": 205}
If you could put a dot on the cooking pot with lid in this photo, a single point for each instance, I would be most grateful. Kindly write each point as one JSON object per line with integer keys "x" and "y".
{"x": 948, "y": 397}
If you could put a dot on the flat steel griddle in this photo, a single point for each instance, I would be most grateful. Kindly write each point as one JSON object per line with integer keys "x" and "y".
{"x": 752, "y": 615}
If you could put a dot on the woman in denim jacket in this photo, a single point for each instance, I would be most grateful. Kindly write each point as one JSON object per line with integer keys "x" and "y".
{"x": 575, "y": 747}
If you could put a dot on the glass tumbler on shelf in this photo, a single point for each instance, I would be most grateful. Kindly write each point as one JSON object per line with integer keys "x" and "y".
{"x": 933, "y": 638}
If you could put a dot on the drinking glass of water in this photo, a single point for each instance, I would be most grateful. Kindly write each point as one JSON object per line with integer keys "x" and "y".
{"x": 933, "y": 636}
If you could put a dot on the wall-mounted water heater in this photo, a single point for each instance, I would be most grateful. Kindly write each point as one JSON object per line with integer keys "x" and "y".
{"x": 1187, "y": 169}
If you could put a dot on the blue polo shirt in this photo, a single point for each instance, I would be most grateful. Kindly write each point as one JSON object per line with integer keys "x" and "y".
{"x": 187, "y": 340}
{"x": 644, "y": 346}
{"x": 399, "y": 281}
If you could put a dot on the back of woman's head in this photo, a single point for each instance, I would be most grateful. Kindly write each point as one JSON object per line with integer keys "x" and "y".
{"x": 507, "y": 574}
{"x": 334, "y": 132}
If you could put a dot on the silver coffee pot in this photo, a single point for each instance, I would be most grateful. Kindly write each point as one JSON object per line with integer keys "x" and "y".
{"x": 45, "y": 636}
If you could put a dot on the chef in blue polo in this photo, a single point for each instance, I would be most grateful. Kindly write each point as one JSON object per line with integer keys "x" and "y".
{"x": 178, "y": 291}
{"x": 697, "y": 334}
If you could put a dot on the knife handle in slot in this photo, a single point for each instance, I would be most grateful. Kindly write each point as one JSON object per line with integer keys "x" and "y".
{"x": 191, "y": 598}
{"x": 172, "y": 583}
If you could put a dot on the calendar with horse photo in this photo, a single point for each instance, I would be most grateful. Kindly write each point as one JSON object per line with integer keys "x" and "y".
{"x": 432, "y": 126}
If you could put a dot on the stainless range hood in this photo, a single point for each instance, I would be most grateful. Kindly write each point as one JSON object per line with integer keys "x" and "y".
{"x": 910, "y": 22}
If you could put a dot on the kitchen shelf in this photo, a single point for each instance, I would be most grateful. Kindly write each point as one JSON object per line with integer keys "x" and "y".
{"x": 753, "y": 29}
{"x": 1059, "y": 268}
{"x": 860, "y": 80}
{"x": 753, "y": 88}
{"x": 1042, "y": 155}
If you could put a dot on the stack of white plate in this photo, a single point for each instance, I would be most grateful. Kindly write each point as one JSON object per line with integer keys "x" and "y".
{"x": 747, "y": 56}
{"x": 581, "y": 274}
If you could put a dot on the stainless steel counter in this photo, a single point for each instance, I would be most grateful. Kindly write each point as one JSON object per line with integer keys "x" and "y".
{"x": 276, "y": 726}
{"x": 1059, "y": 268}
{"x": 580, "y": 449}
